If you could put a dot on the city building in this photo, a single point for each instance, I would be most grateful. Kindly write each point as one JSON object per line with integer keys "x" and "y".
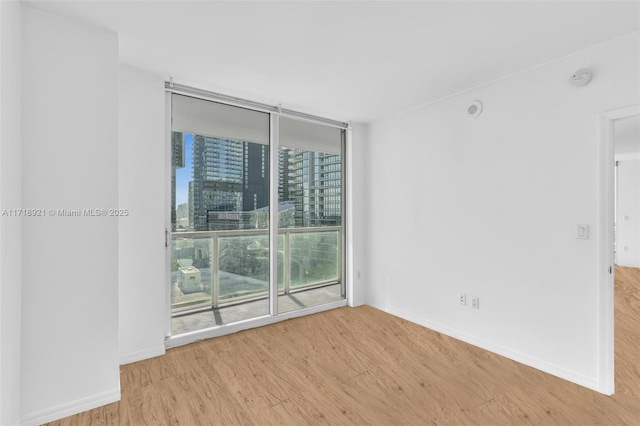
{"x": 315, "y": 182}
{"x": 182, "y": 217}
{"x": 177, "y": 162}
{"x": 284, "y": 179}
{"x": 230, "y": 180}
{"x": 229, "y": 177}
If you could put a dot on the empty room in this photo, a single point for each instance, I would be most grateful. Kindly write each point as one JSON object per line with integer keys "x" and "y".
{"x": 319, "y": 212}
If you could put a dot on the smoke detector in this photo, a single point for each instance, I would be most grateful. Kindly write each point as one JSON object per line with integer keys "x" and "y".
{"x": 473, "y": 109}
{"x": 581, "y": 77}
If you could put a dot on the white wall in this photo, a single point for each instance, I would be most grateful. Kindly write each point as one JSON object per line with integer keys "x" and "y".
{"x": 10, "y": 198}
{"x": 142, "y": 190}
{"x": 360, "y": 132}
{"x": 628, "y": 212}
{"x": 70, "y": 264}
{"x": 489, "y": 207}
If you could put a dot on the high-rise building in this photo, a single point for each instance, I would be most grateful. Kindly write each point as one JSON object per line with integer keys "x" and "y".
{"x": 228, "y": 176}
{"x": 177, "y": 162}
{"x": 256, "y": 177}
{"x": 231, "y": 180}
{"x": 315, "y": 186}
{"x": 190, "y": 201}
{"x": 284, "y": 178}
{"x": 182, "y": 217}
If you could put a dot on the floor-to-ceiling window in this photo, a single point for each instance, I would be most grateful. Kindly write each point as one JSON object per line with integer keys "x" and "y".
{"x": 222, "y": 168}
{"x": 310, "y": 204}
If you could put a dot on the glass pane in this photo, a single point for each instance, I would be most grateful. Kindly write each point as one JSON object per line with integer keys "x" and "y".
{"x": 281, "y": 270}
{"x": 310, "y": 189}
{"x": 314, "y": 258}
{"x": 244, "y": 267}
{"x": 190, "y": 272}
{"x": 220, "y": 214}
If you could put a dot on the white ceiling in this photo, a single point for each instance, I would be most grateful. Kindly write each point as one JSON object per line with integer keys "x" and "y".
{"x": 348, "y": 60}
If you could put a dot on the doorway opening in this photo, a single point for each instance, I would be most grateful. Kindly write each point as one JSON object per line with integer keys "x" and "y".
{"x": 619, "y": 241}
{"x": 626, "y": 252}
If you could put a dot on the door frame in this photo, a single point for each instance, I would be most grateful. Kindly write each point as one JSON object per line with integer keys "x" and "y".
{"x": 606, "y": 267}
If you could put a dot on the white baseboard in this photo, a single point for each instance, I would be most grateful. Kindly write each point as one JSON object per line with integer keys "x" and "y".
{"x": 555, "y": 370}
{"x": 142, "y": 355}
{"x": 71, "y": 408}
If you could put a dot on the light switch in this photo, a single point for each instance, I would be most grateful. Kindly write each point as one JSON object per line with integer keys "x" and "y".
{"x": 582, "y": 232}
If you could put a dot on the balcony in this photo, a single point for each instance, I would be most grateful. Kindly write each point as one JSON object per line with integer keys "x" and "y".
{"x": 223, "y": 276}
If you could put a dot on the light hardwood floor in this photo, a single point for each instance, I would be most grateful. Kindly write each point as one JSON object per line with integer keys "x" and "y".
{"x": 362, "y": 366}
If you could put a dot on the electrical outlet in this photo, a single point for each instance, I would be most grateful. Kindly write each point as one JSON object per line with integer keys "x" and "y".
{"x": 475, "y": 302}
{"x": 462, "y": 299}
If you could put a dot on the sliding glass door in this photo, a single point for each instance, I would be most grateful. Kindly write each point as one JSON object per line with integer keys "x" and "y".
{"x": 221, "y": 169}
{"x": 310, "y": 205}
{"x": 220, "y": 212}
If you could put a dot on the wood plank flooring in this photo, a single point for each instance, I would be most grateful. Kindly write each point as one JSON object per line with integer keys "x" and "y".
{"x": 360, "y": 366}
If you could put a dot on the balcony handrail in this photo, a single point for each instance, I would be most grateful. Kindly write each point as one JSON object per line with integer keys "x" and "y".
{"x": 248, "y": 232}
{"x": 215, "y": 279}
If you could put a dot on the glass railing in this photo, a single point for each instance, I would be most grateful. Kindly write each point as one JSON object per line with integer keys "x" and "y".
{"x": 220, "y": 268}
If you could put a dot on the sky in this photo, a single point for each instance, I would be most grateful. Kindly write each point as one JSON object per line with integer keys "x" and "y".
{"x": 183, "y": 175}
